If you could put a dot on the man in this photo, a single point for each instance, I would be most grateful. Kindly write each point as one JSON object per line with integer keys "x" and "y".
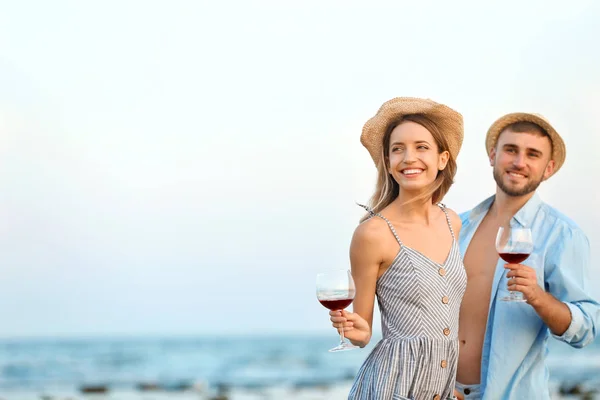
{"x": 503, "y": 344}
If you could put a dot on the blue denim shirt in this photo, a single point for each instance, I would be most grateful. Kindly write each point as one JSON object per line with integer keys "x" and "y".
{"x": 514, "y": 348}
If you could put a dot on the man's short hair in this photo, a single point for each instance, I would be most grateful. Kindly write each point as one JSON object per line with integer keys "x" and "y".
{"x": 529, "y": 127}
{"x": 526, "y": 127}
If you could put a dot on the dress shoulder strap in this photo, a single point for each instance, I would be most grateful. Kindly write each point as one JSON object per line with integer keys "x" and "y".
{"x": 443, "y": 207}
{"x": 374, "y": 214}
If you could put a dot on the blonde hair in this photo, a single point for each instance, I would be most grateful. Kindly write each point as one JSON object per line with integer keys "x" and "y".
{"x": 387, "y": 189}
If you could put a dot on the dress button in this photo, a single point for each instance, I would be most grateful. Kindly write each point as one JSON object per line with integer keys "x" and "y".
{"x": 442, "y": 272}
{"x": 436, "y": 397}
{"x": 446, "y": 331}
{"x": 445, "y": 299}
{"x": 444, "y": 363}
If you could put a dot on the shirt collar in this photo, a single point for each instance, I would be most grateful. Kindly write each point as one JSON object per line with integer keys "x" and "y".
{"x": 526, "y": 214}
{"x": 481, "y": 209}
{"x": 523, "y": 217}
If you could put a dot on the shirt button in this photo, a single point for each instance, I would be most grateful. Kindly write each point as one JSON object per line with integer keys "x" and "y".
{"x": 446, "y": 331}
{"x": 436, "y": 397}
{"x": 442, "y": 272}
{"x": 444, "y": 364}
{"x": 445, "y": 299}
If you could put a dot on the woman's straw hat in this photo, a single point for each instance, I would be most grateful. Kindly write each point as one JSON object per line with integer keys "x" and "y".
{"x": 559, "y": 151}
{"x": 449, "y": 122}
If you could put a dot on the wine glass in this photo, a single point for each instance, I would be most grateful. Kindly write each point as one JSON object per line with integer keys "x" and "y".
{"x": 514, "y": 245}
{"x": 335, "y": 291}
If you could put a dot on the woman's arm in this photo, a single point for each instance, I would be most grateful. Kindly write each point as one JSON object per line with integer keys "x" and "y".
{"x": 366, "y": 252}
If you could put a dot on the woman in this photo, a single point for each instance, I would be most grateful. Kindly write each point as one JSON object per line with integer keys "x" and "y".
{"x": 405, "y": 252}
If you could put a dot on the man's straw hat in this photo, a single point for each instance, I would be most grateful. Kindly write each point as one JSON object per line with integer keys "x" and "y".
{"x": 559, "y": 151}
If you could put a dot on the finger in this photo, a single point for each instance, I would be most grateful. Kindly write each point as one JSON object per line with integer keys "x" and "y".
{"x": 335, "y": 313}
{"x": 516, "y": 273}
{"x": 519, "y": 267}
{"x": 346, "y": 330}
{"x": 338, "y": 320}
{"x": 516, "y": 267}
{"x": 350, "y": 316}
{"x": 521, "y": 281}
{"x": 344, "y": 324}
{"x": 522, "y": 272}
{"x": 518, "y": 288}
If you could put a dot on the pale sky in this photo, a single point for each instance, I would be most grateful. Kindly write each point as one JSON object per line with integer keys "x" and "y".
{"x": 188, "y": 167}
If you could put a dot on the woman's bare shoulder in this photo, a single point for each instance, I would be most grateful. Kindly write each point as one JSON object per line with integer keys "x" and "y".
{"x": 370, "y": 230}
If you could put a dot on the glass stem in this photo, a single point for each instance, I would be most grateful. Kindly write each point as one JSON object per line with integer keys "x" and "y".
{"x": 342, "y": 331}
{"x": 510, "y": 292}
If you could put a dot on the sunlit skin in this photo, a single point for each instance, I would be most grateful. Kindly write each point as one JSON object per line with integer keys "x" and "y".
{"x": 520, "y": 161}
{"x": 413, "y": 158}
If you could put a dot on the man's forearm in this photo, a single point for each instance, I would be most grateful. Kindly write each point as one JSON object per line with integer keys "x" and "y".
{"x": 553, "y": 312}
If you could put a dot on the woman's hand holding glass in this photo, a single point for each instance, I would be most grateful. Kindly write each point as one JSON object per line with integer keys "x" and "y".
{"x": 356, "y": 329}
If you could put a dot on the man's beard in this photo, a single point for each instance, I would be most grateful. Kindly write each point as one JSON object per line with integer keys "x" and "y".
{"x": 530, "y": 187}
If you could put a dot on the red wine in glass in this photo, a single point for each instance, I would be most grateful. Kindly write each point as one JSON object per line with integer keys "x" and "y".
{"x": 514, "y": 258}
{"x": 514, "y": 245}
{"x": 335, "y": 291}
{"x": 336, "y": 304}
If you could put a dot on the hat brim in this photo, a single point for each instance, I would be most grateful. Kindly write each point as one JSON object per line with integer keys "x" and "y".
{"x": 559, "y": 150}
{"x": 449, "y": 121}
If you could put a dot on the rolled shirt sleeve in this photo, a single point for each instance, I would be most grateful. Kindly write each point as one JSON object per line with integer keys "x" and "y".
{"x": 567, "y": 280}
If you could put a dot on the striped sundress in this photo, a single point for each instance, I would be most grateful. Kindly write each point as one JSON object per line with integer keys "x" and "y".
{"x": 419, "y": 301}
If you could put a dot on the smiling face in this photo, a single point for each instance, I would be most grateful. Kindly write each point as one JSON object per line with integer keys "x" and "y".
{"x": 414, "y": 160}
{"x": 521, "y": 161}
